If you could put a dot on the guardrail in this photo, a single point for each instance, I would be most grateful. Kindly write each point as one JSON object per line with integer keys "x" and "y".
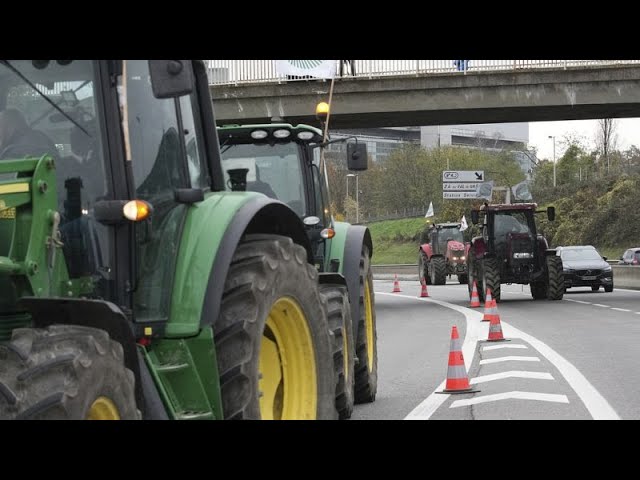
{"x": 624, "y": 276}
{"x": 237, "y": 72}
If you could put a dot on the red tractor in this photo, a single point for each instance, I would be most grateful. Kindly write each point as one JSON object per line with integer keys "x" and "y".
{"x": 443, "y": 254}
{"x": 510, "y": 250}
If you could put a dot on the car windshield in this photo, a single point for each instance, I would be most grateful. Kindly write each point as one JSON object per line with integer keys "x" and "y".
{"x": 580, "y": 254}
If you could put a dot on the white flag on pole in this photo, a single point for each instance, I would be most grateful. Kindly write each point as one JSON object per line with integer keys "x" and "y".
{"x": 301, "y": 68}
{"x": 463, "y": 224}
{"x": 430, "y": 211}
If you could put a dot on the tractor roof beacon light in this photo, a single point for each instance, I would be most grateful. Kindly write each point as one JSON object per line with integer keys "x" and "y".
{"x": 322, "y": 110}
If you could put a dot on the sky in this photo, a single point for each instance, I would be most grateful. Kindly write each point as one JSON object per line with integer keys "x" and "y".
{"x": 628, "y": 130}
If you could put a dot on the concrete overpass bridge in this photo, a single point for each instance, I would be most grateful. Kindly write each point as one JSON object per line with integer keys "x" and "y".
{"x": 387, "y": 93}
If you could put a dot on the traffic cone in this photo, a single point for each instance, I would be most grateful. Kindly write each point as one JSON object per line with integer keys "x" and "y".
{"x": 457, "y": 379}
{"x": 396, "y": 285}
{"x": 495, "y": 329}
{"x": 423, "y": 292}
{"x": 475, "y": 299}
{"x": 490, "y": 307}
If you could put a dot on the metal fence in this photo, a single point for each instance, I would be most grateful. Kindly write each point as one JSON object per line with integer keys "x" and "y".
{"x": 236, "y": 72}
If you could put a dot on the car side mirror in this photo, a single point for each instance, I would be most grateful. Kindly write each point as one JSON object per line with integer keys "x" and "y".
{"x": 551, "y": 213}
{"x": 171, "y": 78}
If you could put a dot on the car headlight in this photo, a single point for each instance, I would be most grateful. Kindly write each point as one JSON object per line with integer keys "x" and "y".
{"x": 608, "y": 269}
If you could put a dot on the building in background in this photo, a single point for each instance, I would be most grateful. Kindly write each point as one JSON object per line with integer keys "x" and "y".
{"x": 380, "y": 141}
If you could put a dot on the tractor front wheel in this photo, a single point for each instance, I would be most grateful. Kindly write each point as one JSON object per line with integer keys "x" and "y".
{"x": 273, "y": 343}
{"x": 438, "y": 271}
{"x": 340, "y": 323}
{"x": 555, "y": 278}
{"x": 65, "y": 372}
{"x": 491, "y": 278}
{"x": 367, "y": 341}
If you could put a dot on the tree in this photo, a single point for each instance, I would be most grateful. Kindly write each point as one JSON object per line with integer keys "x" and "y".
{"x": 606, "y": 138}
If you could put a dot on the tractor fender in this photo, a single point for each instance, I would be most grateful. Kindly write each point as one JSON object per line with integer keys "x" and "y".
{"x": 260, "y": 215}
{"x": 426, "y": 249}
{"x": 357, "y": 236}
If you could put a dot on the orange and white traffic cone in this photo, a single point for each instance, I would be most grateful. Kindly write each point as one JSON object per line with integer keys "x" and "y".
{"x": 490, "y": 307}
{"x": 423, "y": 292}
{"x": 457, "y": 379}
{"x": 396, "y": 285}
{"x": 475, "y": 299}
{"x": 495, "y": 328}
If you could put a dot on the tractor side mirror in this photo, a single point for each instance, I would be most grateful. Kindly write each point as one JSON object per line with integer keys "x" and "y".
{"x": 551, "y": 213}
{"x": 357, "y": 156}
{"x": 171, "y": 78}
{"x": 475, "y": 216}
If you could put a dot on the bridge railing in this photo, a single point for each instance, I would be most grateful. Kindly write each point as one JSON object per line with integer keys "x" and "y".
{"x": 236, "y": 72}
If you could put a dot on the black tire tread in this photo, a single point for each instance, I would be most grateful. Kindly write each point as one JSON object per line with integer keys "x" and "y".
{"x": 556, "y": 278}
{"x": 439, "y": 270}
{"x": 491, "y": 274}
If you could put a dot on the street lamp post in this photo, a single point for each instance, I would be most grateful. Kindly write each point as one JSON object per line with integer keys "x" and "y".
{"x": 554, "y": 159}
{"x": 357, "y": 192}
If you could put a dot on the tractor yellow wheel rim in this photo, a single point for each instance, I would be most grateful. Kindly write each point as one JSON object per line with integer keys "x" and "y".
{"x": 288, "y": 383}
{"x": 368, "y": 321}
{"x": 103, "y": 409}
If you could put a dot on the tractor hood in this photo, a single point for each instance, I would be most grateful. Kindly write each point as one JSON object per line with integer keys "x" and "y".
{"x": 454, "y": 245}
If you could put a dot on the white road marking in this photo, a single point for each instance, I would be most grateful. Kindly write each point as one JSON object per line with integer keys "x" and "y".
{"x": 543, "y": 397}
{"x": 577, "y": 301}
{"x": 597, "y": 405}
{"x": 511, "y": 374}
{"x": 513, "y": 358}
{"x": 621, "y": 309}
{"x": 600, "y": 305}
{"x": 504, "y": 345}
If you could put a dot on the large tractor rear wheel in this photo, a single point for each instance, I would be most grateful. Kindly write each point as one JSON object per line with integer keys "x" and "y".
{"x": 65, "y": 372}
{"x": 556, "y": 278}
{"x": 473, "y": 274}
{"x": 367, "y": 341}
{"x": 340, "y": 323}
{"x": 273, "y": 343}
{"x": 438, "y": 270}
{"x": 491, "y": 278}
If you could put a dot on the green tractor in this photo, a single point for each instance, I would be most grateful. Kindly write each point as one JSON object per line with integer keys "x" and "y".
{"x": 285, "y": 162}
{"x": 133, "y": 284}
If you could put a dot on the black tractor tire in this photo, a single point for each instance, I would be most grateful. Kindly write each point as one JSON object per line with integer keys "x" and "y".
{"x": 608, "y": 288}
{"x": 438, "y": 270}
{"x": 474, "y": 274}
{"x": 266, "y": 270}
{"x": 555, "y": 278}
{"x": 595, "y": 288}
{"x": 462, "y": 278}
{"x": 423, "y": 269}
{"x": 340, "y": 323}
{"x": 366, "y": 344}
{"x": 538, "y": 290}
{"x": 65, "y": 372}
{"x": 491, "y": 278}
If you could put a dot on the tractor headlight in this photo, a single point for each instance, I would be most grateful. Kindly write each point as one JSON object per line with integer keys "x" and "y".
{"x": 522, "y": 255}
{"x": 259, "y": 134}
{"x": 455, "y": 258}
{"x": 281, "y": 133}
{"x": 462, "y": 258}
{"x": 305, "y": 135}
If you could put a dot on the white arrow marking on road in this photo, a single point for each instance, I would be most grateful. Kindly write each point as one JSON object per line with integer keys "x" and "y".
{"x": 509, "y": 359}
{"x": 597, "y": 405}
{"x": 543, "y": 397}
{"x": 496, "y": 347}
{"x": 511, "y": 374}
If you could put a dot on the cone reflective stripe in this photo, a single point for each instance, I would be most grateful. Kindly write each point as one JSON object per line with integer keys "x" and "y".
{"x": 457, "y": 379}
{"x": 495, "y": 330}
{"x": 490, "y": 308}
{"x": 396, "y": 285}
{"x": 475, "y": 299}
{"x": 423, "y": 292}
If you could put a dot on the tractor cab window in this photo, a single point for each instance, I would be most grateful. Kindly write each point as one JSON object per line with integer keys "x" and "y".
{"x": 274, "y": 170}
{"x": 511, "y": 223}
{"x": 53, "y": 107}
{"x": 446, "y": 234}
